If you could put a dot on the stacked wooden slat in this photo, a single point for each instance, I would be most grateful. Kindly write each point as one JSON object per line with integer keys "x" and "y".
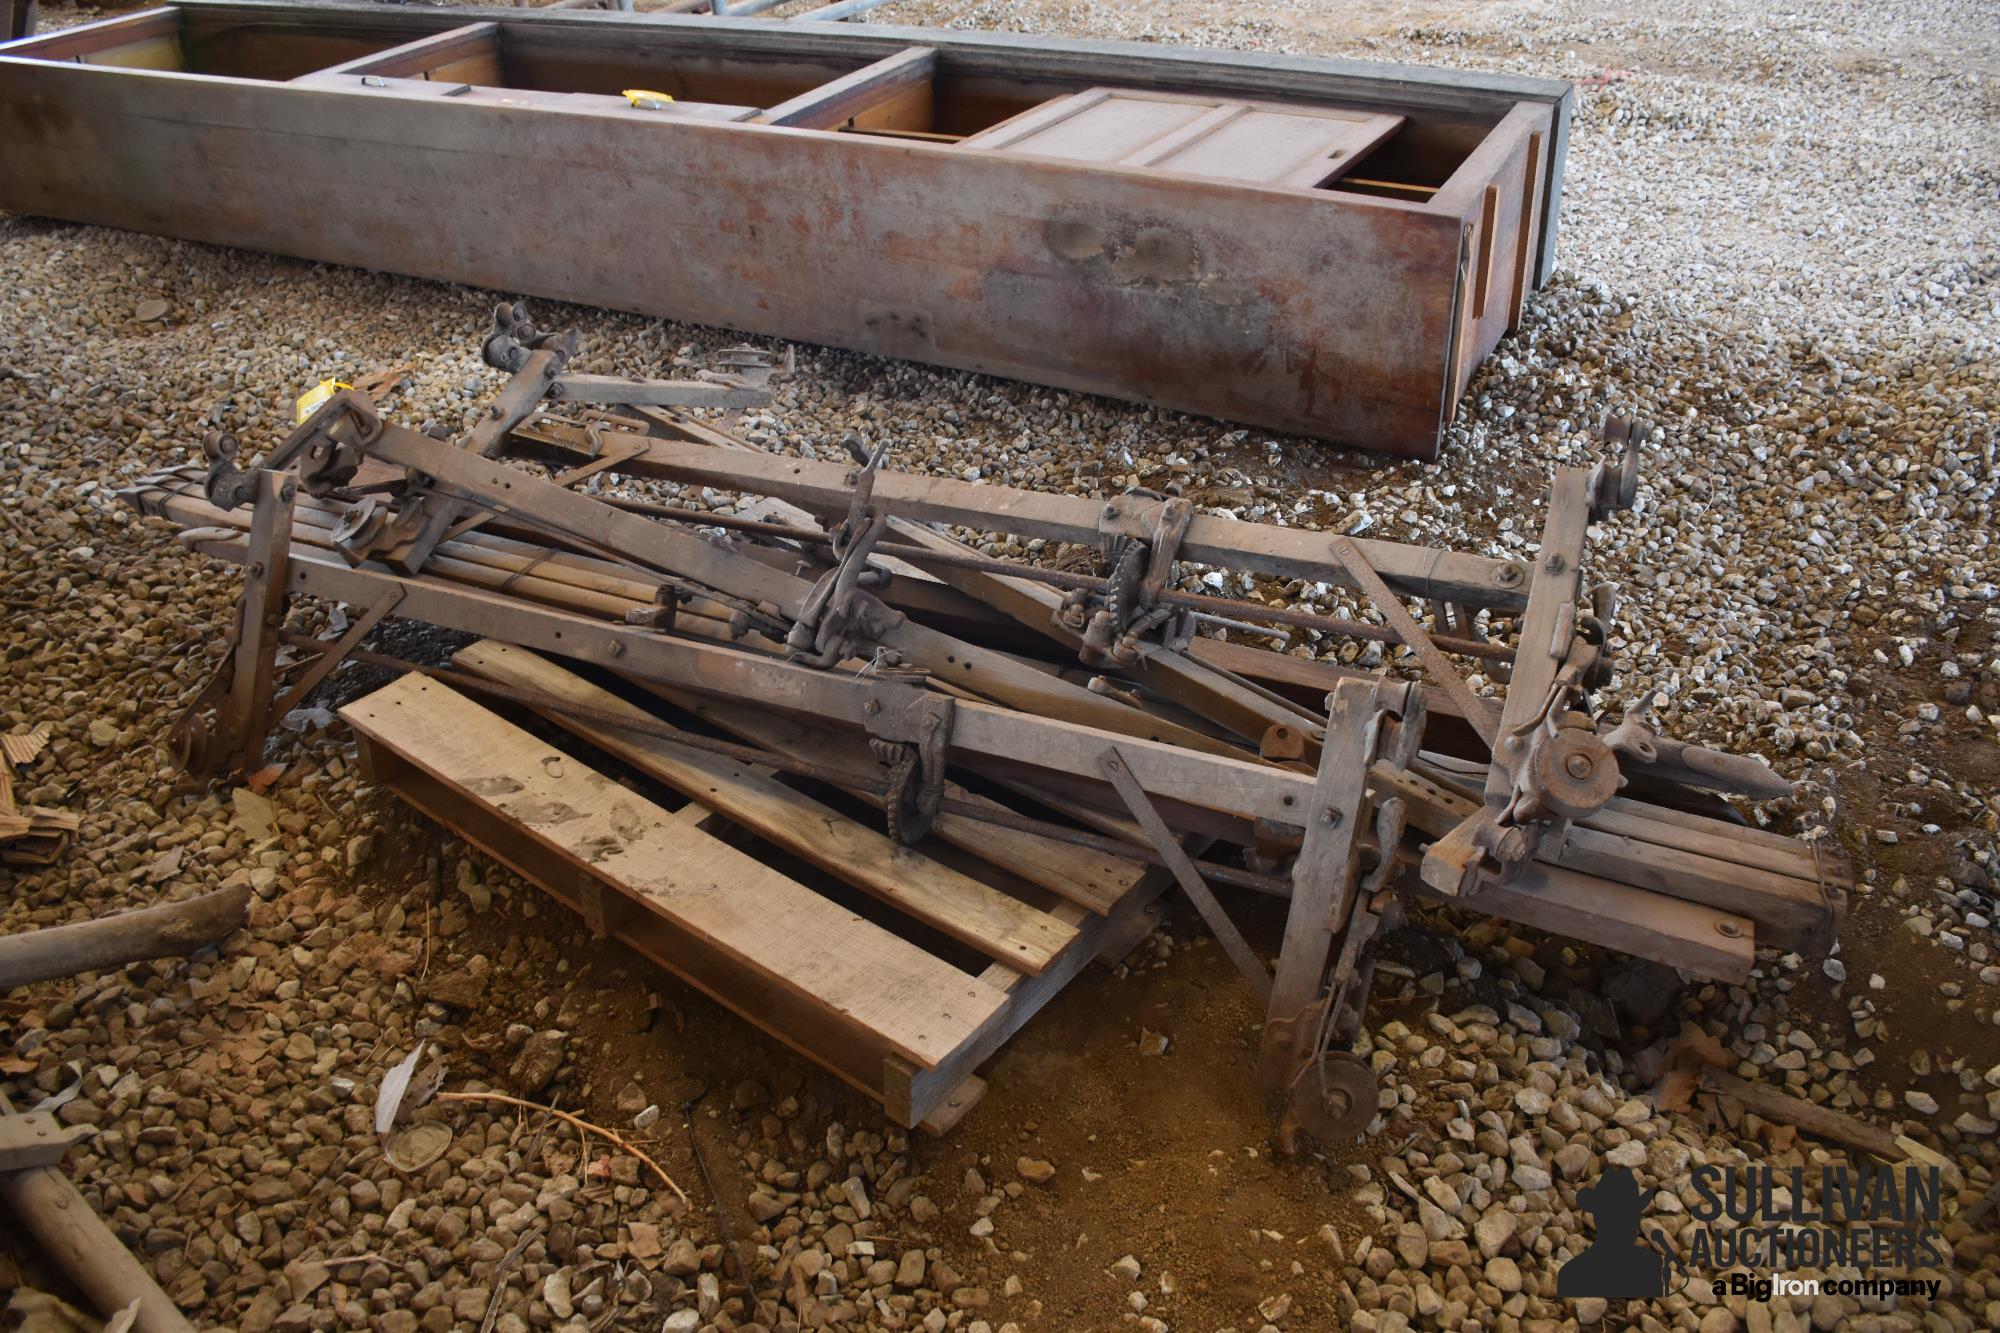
{"x": 883, "y": 998}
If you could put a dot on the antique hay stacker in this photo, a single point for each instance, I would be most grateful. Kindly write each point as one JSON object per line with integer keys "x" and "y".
{"x": 1326, "y": 247}
{"x": 1047, "y": 748}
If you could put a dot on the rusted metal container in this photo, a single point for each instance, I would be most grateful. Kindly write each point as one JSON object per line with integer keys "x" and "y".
{"x": 1323, "y": 247}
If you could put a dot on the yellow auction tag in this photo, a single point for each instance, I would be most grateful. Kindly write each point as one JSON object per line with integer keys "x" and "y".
{"x": 646, "y": 101}
{"x": 314, "y": 398}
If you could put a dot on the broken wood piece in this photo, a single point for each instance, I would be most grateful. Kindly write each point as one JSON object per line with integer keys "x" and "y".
{"x": 169, "y": 930}
{"x": 36, "y": 835}
{"x": 79, "y": 1242}
{"x": 1820, "y": 1121}
{"x": 37, "y": 1138}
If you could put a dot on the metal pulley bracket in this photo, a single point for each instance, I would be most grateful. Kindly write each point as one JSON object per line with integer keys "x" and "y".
{"x": 514, "y": 338}
{"x": 226, "y": 484}
{"x": 1115, "y": 619}
{"x": 910, "y": 730}
{"x": 841, "y": 616}
{"x": 328, "y": 447}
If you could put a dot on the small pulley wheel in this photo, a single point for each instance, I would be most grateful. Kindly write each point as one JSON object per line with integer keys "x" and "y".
{"x": 1334, "y": 1096}
{"x": 1572, "y": 773}
{"x": 190, "y": 741}
{"x": 363, "y": 518}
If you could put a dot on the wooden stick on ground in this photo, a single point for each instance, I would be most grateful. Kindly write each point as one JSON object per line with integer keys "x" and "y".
{"x": 77, "y": 1239}
{"x": 171, "y": 929}
{"x": 1820, "y": 1121}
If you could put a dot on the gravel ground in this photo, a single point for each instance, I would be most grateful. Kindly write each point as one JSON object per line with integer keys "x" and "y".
{"x": 1778, "y": 242}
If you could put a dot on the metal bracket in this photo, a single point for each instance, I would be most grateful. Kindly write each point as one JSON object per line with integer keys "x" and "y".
{"x": 242, "y": 687}
{"x": 840, "y": 615}
{"x": 30, "y": 1139}
{"x": 912, "y": 735}
{"x": 1115, "y": 618}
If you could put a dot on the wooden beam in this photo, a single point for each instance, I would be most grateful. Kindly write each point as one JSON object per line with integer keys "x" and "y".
{"x": 1323, "y": 873}
{"x": 822, "y": 487}
{"x": 833, "y": 104}
{"x": 1716, "y": 945}
{"x": 1003, "y": 928}
{"x": 1091, "y": 880}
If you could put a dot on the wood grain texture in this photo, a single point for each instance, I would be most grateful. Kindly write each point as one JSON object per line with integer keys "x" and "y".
{"x": 1002, "y": 927}
{"x": 1091, "y": 880}
{"x": 922, "y": 1007}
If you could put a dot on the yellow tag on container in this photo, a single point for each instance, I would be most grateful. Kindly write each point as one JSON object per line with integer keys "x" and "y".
{"x": 647, "y": 101}
{"x": 314, "y": 398}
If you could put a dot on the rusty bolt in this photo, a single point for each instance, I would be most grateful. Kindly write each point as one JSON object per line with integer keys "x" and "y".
{"x": 1508, "y": 575}
{"x": 1556, "y": 563}
{"x": 1579, "y": 766}
{"x": 1111, "y": 511}
{"x": 617, "y": 648}
{"x": 872, "y": 707}
{"x": 1330, "y": 817}
{"x": 256, "y": 569}
{"x": 1728, "y": 929}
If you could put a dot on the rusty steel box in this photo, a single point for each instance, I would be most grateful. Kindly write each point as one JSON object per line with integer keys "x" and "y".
{"x": 1325, "y": 247}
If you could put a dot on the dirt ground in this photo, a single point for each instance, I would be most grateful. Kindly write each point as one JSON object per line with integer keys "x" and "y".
{"x": 1681, "y": 287}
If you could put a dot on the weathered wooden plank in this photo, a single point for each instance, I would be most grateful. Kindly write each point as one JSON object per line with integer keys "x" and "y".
{"x": 833, "y": 103}
{"x": 1091, "y": 880}
{"x": 1558, "y": 576}
{"x": 1790, "y": 912}
{"x": 922, "y": 1007}
{"x": 1716, "y": 945}
{"x": 1414, "y": 571}
{"x": 1323, "y": 873}
{"x": 999, "y": 926}
{"x": 835, "y": 1041}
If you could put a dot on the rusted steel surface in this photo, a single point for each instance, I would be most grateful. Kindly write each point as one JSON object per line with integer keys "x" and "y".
{"x": 1332, "y": 314}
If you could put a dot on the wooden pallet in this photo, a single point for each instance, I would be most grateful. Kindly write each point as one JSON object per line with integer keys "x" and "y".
{"x": 895, "y": 1002}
